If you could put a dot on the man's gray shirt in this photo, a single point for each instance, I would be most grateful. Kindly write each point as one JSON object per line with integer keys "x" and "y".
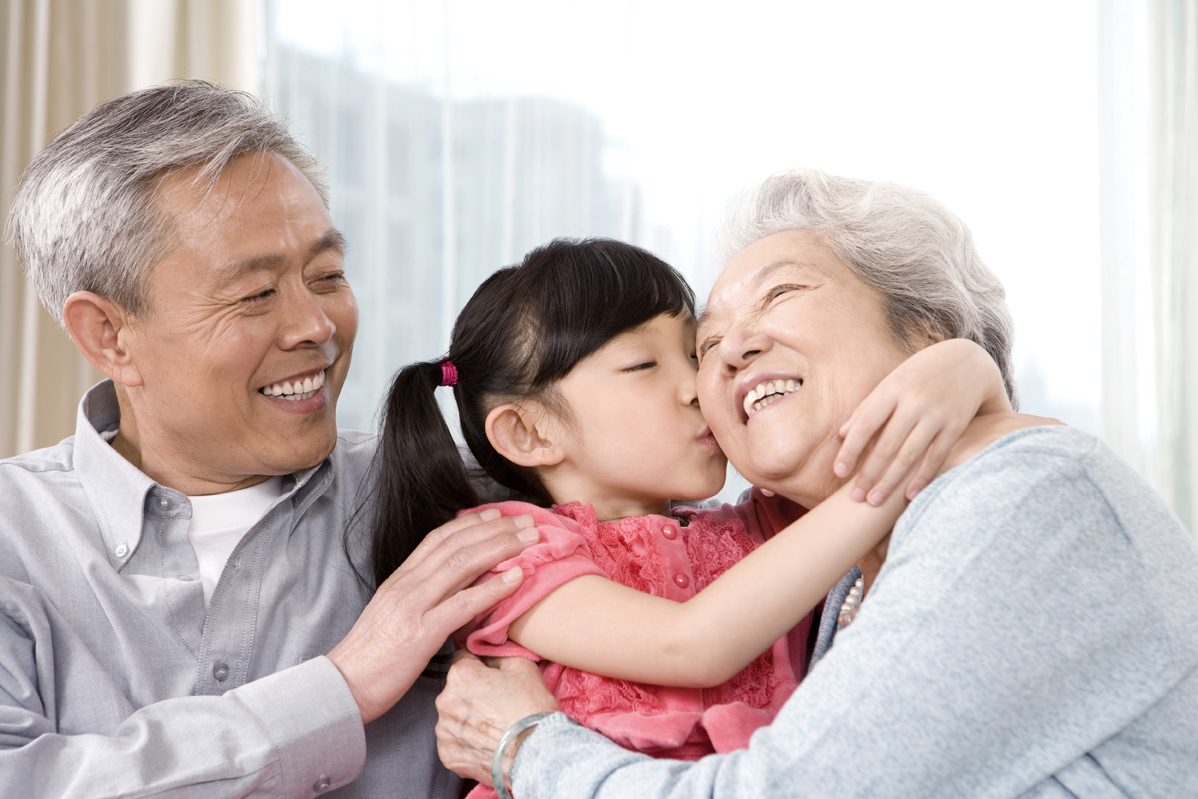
{"x": 1033, "y": 633}
{"x": 115, "y": 680}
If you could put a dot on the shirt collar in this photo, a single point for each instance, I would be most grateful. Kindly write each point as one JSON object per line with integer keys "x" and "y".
{"x": 118, "y": 490}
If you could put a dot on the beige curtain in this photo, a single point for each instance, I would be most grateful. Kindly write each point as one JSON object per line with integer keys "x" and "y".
{"x": 61, "y": 58}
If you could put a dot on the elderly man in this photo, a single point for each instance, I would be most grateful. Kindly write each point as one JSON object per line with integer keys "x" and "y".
{"x": 178, "y": 610}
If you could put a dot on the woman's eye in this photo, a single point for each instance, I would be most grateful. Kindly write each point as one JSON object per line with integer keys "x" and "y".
{"x": 778, "y": 291}
{"x": 706, "y": 345}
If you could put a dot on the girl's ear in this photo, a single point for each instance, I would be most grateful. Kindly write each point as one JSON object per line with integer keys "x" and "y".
{"x": 523, "y": 435}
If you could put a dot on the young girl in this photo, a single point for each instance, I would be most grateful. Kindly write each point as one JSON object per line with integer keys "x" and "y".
{"x": 675, "y": 633}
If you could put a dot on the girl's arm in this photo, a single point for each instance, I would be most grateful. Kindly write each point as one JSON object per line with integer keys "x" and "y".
{"x": 600, "y": 626}
{"x": 925, "y": 405}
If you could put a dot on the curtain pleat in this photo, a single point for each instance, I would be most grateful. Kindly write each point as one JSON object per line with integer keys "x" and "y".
{"x": 62, "y": 58}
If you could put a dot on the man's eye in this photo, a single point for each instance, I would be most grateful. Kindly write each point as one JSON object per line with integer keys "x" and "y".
{"x": 261, "y": 296}
{"x": 332, "y": 278}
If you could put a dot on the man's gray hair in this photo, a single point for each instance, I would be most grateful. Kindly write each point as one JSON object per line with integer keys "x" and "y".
{"x": 899, "y": 241}
{"x": 86, "y": 215}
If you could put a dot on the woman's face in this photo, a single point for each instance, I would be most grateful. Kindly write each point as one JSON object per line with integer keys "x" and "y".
{"x": 790, "y": 343}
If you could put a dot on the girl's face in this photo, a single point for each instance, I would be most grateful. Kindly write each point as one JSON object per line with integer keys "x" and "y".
{"x": 636, "y": 438}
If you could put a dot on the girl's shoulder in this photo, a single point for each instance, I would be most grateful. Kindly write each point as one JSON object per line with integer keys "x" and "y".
{"x": 514, "y": 507}
{"x": 761, "y": 515}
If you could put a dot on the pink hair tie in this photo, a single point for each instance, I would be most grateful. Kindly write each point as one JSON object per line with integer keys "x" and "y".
{"x": 449, "y": 373}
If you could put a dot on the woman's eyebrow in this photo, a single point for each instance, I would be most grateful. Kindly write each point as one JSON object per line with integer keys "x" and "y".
{"x": 753, "y": 281}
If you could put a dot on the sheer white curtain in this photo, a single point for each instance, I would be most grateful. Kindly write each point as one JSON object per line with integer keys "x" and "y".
{"x": 61, "y": 58}
{"x": 458, "y": 134}
{"x": 1150, "y": 242}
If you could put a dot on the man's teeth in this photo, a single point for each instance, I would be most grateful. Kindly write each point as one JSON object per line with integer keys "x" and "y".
{"x": 768, "y": 392}
{"x": 299, "y": 390}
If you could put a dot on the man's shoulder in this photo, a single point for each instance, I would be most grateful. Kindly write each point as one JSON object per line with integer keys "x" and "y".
{"x": 55, "y": 460}
{"x": 354, "y": 450}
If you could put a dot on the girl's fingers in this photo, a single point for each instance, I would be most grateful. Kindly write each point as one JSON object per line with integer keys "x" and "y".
{"x": 889, "y": 445}
{"x": 897, "y": 470}
{"x": 932, "y": 462}
{"x": 867, "y": 419}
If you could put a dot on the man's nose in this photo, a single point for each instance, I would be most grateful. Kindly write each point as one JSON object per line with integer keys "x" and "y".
{"x": 306, "y": 322}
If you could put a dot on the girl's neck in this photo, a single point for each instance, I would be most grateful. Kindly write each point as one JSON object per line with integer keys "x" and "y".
{"x": 567, "y": 484}
{"x": 612, "y": 509}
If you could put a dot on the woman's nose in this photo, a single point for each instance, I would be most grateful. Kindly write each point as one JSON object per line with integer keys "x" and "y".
{"x": 740, "y": 346}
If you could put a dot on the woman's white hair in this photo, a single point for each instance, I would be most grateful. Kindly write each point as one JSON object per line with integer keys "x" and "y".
{"x": 86, "y": 216}
{"x": 903, "y": 243}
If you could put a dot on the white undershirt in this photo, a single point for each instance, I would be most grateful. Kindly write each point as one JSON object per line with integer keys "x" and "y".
{"x": 218, "y": 522}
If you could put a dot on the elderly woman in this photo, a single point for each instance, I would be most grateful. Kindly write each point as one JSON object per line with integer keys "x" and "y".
{"x": 1031, "y": 628}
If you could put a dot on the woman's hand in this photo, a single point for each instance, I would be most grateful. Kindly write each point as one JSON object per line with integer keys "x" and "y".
{"x": 921, "y": 408}
{"x": 478, "y": 706}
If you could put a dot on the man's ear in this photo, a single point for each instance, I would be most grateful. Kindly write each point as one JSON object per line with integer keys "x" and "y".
{"x": 524, "y": 435}
{"x": 100, "y": 329}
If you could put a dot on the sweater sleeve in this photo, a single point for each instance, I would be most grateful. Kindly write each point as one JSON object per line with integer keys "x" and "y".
{"x": 1035, "y": 628}
{"x": 561, "y": 555}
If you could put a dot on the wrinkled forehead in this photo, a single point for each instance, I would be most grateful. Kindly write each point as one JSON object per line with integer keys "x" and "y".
{"x": 739, "y": 287}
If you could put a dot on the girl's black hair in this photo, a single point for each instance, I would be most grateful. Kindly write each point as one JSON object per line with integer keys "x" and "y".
{"x": 524, "y": 329}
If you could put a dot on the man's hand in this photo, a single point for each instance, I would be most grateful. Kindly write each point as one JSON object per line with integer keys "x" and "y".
{"x": 425, "y": 601}
{"x": 478, "y": 706}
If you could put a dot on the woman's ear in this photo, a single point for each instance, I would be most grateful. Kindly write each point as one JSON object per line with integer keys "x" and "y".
{"x": 524, "y": 435}
{"x": 100, "y": 329}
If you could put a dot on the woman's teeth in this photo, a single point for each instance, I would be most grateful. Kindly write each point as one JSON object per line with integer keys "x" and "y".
{"x": 299, "y": 390}
{"x": 768, "y": 392}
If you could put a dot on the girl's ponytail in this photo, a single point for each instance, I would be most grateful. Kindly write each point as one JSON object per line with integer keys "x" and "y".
{"x": 421, "y": 481}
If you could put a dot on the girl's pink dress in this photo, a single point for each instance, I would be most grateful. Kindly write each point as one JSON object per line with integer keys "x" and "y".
{"x": 664, "y": 557}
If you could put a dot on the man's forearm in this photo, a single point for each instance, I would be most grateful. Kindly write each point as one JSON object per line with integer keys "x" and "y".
{"x": 278, "y": 736}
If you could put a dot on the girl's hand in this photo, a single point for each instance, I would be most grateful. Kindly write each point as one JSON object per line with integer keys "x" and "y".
{"x": 920, "y": 409}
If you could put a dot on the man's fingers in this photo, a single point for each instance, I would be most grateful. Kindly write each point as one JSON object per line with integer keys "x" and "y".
{"x": 463, "y": 605}
{"x": 462, "y": 557}
{"x": 463, "y": 531}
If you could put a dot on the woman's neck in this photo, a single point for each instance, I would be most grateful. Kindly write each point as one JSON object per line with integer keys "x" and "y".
{"x": 871, "y": 564}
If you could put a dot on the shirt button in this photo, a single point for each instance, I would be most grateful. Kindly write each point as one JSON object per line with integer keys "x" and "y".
{"x": 681, "y": 580}
{"x": 164, "y": 503}
{"x": 221, "y": 672}
{"x": 322, "y": 784}
{"x": 669, "y": 532}
{"x": 121, "y": 551}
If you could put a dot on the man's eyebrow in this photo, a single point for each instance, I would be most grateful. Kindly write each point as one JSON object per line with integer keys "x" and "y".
{"x": 333, "y": 240}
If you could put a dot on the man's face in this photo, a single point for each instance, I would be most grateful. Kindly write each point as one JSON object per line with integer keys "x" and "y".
{"x": 247, "y": 340}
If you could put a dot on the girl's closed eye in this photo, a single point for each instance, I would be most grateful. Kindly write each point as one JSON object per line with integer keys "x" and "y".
{"x": 640, "y": 367}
